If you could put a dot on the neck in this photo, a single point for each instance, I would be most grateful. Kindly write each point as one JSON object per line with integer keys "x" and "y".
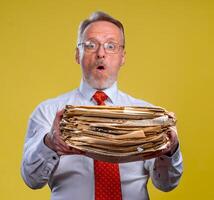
{"x": 95, "y": 85}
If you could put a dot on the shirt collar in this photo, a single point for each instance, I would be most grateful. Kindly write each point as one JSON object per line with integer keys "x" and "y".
{"x": 87, "y": 91}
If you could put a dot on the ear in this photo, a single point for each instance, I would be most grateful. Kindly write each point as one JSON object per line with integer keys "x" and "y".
{"x": 77, "y": 56}
{"x": 123, "y": 57}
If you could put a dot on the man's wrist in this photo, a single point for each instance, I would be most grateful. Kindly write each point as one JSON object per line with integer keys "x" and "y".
{"x": 172, "y": 150}
{"x": 47, "y": 141}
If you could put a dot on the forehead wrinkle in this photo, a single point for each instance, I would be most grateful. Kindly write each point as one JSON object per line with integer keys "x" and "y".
{"x": 103, "y": 38}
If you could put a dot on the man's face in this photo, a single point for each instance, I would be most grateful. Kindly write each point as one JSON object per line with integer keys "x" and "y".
{"x": 100, "y": 69}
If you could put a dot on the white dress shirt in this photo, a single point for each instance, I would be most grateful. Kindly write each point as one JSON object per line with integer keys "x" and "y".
{"x": 71, "y": 177}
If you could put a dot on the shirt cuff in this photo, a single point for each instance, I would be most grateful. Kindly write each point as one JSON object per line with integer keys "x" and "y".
{"x": 49, "y": 157}
{"x": 45, "y": 152}
{"x": 174, "y": 158}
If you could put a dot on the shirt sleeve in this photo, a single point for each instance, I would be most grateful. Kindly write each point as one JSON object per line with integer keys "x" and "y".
{"x": 38, "y": 161}
{"x": 165, "y": 172}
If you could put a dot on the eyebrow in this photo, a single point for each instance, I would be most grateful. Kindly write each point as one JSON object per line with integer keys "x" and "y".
{"x": 108, "y": 39}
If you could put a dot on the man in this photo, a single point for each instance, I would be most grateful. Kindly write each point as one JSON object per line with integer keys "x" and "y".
{"x": 71, "y": 175}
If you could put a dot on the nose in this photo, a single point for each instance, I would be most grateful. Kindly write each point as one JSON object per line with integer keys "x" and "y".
{"x": 101, "y": 52}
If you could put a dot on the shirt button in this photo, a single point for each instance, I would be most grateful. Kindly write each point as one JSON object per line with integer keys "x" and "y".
{"x": 46, "y": 170}
{"x": 54, "y": 157}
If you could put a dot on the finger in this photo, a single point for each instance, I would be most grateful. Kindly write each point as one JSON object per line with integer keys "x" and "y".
{"x": 173, "y": 128}
{"x": 60, "y": 144}
{"x": 59, "y": 114}
{"x": 77, "y": 151}
{"x": 174, "y": 135}
{"x": 171, "y": 114}
{"x": 63, "y": 149}
{"x": 59, "y": 140}
{"x": 64, "y": 146}
{"x": 70, "y": 151}
{"x": 60, "y": 153}
{"x": 58, "y": 118}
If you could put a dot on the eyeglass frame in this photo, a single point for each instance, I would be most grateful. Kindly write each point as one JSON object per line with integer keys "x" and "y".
{"x": 99, "y": 44}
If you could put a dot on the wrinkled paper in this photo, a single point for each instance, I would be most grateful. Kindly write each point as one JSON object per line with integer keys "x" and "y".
{"x": 117, "y": 134}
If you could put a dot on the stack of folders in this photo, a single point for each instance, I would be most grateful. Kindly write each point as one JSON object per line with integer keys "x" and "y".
{"x": 117, "y": 134}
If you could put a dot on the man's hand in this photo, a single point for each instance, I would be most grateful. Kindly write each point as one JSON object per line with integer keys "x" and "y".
{"x": 55, "y": 142}
{"x": 173, "y": 145}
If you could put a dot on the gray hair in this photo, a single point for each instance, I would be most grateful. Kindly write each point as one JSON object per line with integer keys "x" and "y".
{"x": 98, "y": 16}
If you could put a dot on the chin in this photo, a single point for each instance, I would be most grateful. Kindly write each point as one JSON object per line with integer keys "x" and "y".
{"x": 101, "y": 85}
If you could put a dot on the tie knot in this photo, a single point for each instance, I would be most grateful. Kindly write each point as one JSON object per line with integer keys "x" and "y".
{"x": 100, "y": 97}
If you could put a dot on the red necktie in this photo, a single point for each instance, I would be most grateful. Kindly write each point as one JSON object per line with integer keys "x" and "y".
{"x": 107, "y": 175}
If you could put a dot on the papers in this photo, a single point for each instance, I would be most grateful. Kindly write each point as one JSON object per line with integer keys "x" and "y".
{"x": 117, "y": 134}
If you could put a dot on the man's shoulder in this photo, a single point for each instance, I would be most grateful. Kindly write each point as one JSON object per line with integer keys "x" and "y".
{"x": 56, "y": 103}
{"x": 132, "y": 101}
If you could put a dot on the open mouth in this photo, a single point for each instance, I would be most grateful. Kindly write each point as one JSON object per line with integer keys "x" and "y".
{"x": 100, "y": 67}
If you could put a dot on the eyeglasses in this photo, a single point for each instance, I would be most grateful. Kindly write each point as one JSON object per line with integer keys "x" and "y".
{"x": 109, "y": 47}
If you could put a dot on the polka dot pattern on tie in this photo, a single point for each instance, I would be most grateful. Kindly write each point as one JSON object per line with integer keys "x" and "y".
{"x": 107, "y": 181}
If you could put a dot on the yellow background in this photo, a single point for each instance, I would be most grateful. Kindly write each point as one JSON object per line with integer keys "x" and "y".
{"x": 169, "y": 49}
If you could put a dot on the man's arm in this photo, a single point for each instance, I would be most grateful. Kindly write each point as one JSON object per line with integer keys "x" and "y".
{"x": 166, "y": 170}
{"x": 38, "y": 160}
{"x": 43, "y": 147}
